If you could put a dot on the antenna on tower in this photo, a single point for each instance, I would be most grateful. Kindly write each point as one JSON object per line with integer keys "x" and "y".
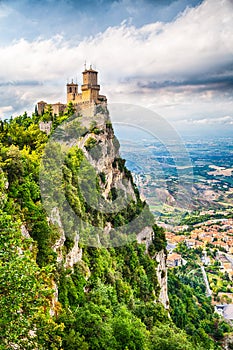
{"x": 85, "y": 65}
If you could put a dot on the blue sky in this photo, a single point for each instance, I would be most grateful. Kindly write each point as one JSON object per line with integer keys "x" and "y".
{"x": 174, "y": 57}
{"x": 77, "y": 19}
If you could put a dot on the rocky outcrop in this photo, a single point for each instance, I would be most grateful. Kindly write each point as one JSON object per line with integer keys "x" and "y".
{"x": 55, "y": 219}
{"x": 101, "y": 149}
{"x": 145, "y": 236}
{"x": 54, "y": 300}
{"x": 104, "y": 155}
{"x": 74, "y": 255}
{"x": 25, "y": 232}
{"x": 227, "y": 342}
{"x": 162, "y": 278}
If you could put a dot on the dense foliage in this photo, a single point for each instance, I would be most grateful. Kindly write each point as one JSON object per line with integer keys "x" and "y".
{"x": 25, "y": 289}
{"x": 110, "y": 299}
{"x": 191, "y": 309}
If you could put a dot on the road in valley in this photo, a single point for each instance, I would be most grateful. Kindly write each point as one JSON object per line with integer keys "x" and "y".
{"x": 208, "y": 290}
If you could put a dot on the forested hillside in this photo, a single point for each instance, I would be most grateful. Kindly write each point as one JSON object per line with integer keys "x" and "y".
{"x": 110, "y": 297}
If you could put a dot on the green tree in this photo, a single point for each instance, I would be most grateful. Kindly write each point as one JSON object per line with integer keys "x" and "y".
{"x": 25, "y": 291}
{"x": 70, "y": 110}
{"x": 167, "y": 337}
{"x": 48, "y": 114}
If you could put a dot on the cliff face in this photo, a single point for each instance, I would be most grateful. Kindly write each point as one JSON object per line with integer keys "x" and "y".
{"x": 114, "y": 212}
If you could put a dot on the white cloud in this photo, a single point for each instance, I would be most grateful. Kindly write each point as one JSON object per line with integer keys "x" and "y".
{"x": 198, "y": 42}
{"x": 5, "y": 109}
{"x": 226, "y": 120}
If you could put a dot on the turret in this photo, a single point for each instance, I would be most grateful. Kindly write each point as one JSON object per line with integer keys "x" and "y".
{"x": 72, "y": 91}
{"x": 41, "y": 107}
{"x": 90, "y": 87}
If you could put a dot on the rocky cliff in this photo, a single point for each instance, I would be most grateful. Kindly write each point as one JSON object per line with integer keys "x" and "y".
{"x": 99, "y": 204}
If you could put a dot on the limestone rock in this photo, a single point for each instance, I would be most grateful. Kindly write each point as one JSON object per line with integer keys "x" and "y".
{"x": 162, "y": 278}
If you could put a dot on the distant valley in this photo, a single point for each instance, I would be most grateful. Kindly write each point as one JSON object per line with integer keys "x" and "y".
{"x": 173, "y": 191}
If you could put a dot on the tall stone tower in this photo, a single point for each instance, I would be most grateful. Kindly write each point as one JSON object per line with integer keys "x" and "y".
{"x": 90, "y": 87}
{"x": 90, "y": 90}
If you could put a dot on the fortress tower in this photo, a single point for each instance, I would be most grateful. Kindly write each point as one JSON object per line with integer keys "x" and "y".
{"x": 88, "y": 96}
{"x": 90, "y": 87}
{"x": 90, "y": 90}
{"x": 72, "y": 92}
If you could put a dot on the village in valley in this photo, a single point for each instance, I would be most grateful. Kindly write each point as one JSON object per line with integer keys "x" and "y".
{"x": 212, "y": 245}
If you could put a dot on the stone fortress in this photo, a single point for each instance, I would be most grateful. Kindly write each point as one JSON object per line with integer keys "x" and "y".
{"x": 87, "y": 98}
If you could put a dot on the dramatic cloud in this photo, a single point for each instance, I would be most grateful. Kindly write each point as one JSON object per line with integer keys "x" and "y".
{"x": 184, "y": 64}
{"x": 197, "y": 42}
